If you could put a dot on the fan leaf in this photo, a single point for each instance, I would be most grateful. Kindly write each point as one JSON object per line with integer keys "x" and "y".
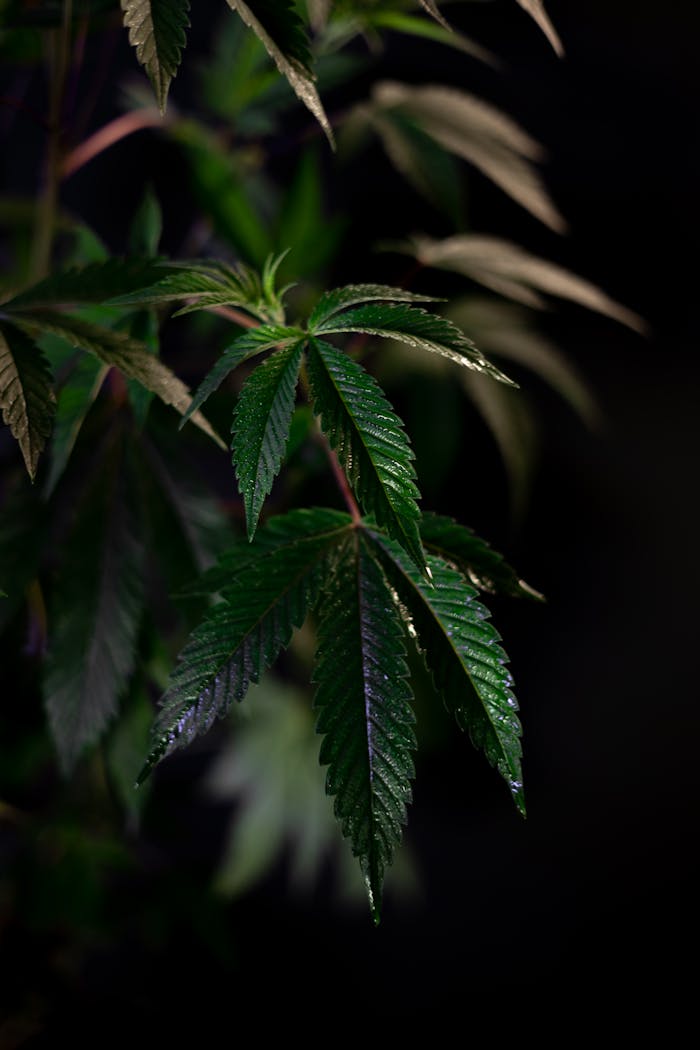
{"x": 75, "y": 398}
{"x": 417, "y": 328}
{"x": 27, "y": 399}
{"x": 98, "y": 600}
{"x": 370, "y": 442}
{"x": 128, "y": 355}
{"x": 261, "y": 428}
{"x": 462, "y": 651}
{"x": 89, "y": 284}
{"x": 535, "y": 8}
{"x": 338, "y": 299}
{"x": 363, "y": 700}
{"x": 157, "y": 31}
{"x": 480, "y": 563}
{"x": 242, "y": 636}
{"x": 250, "y": 343}
{"x": 281, "y": 32}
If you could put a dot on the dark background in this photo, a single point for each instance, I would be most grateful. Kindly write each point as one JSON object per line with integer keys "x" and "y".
{"x": 592, "y": 900}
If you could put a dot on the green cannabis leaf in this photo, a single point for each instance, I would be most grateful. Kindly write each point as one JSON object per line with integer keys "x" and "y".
{"x": 369, "y": 441}
{"x": 261, "y": 428}
{"x": 364, "y": 712}
{"x": 26, "y": 394}
{"x": 157, "y": 31}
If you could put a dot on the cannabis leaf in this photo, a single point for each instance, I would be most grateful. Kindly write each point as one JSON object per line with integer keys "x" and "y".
{"x": 95, "y": 615}
{"x": 338, "y": 299}
{"x": 246, "y": 345}
{"x": 26, "y": 394}
{"x": 157, "y": 31}
{"x": 89, "y": 284}
{"x": 243, "y": 635}
{"x": 116, "y": 349}
{"x": 431, "y": 7}
{"x": 74, "y": 401}
{"x": 280, "y": 30}
{"x": 535, "y": 8}
{"x": 370, "y": 442}
{"x": 481, "y": 564}
{"x": 461, "y": 649}
{"x": 261, "y": 428}
{"x": 416, "y": 328}
{"x": 363, "y": 700}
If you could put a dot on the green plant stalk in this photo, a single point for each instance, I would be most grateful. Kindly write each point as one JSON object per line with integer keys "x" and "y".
{"x": 58, "y": 46}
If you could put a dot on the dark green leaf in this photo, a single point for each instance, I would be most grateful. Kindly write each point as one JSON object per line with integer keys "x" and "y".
{"x": 157, "y": 31}
{"x": 118, "y": 350}
{"x": 363, "y": 700}
{"x": 75, "y": 398}
{"x": 96, "y": 610}
{"x": 459, "y": 546}
{"x": 370, "y": 442}
{"x": 146, "y": 226}
{"x": 246, "y": 345}
{"x": 461, "y": 649}
{"x": 26, "y": 395}
{"x": 241, "y": 636}
{"x": 89, "y": 284}
{"x": 277, "y": 532}
{"x": 284, "y": 49}
{"x": 331, "y": 303}
{"x": 416, "y": 328}
{"x": 261, "y": 427}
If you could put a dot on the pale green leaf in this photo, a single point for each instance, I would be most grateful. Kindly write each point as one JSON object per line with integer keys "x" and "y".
{"x": 242, "y": 636}
{"x": 157, "y": 31}
{"x": 462, "y": 650}
{"x": 27, "y": 399}
{"x": 370, "y": 443}
{"x": 363, "y": 700}
{"x": 261, "y": 427}
{"x": 284, "y": 51}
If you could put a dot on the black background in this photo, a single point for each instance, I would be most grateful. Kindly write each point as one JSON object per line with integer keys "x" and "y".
{"x": 592, "y": 901}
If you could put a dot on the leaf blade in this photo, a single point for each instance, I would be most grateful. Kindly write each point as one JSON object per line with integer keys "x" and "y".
{"x": 462, "y": 650}
{"x": 260, "y": 429}
{"x": 535, "y": 8}
{"x": 370, "y": 443}
{"x": 364, "y": 715}
{"x": 27, "y": 400}
{"x": 157, "y": 31}
{"x": 338, "y": 299}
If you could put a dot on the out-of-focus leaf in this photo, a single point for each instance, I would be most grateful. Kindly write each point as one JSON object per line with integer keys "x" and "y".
{"x": 27, "y": 399}
{"x": 75, "y": 398}
{"x": 157, "y": 31}
{"x": 475, "y": 131}
{"x": 441, "y": 34}
{"x": 96, "y": 610}
{"x": 94, "y": 283}
{"x": 365, "y": 714}
{"x": 535, "y": 8}
{"x": 284, "y": 48}
{"x": 261, "y": 428}
{"x": 511, "y": 271}
{"x": 303, "y": 222}
{"x": 124, "y": 752}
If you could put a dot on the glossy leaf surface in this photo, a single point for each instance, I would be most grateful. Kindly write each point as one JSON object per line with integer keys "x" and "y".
{"x": 338, "y": 299}
{"x": 365, "y": 716}
{"x": 370, "y": 443}
{"x": 261, "y": 428}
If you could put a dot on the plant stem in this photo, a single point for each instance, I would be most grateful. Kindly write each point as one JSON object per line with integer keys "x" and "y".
{"x": 108, "y": 135}
{"x": 58, "y": 43}
{"x": 341, "y": 480}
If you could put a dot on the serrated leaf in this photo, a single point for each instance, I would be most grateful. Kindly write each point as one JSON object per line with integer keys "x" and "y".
{"x": 261, "y": 427}
{"x": 27, "y": 399}
{"x": 277, "y": 532}
{"x": 118, "y": 350}
{"x": 96, "y": 609}
{"x": 535, "y": 8}
{"x": 370, "y": 443}
{"x": 285, "y": 52}
{"x": 74, "y": 401}
{"x": 250, "y": 343}
{"x": 461, "y": 547}
{"x": 512, "y": 271}
{"x": 365, "y": 716}
{"x": 416, "y": 328}
{"x": 241, "y": 637}
{"x": 157, "y": 31}
{"x": 89, "y": 284}
{"x": 479, "y": 133}
{"x": 463, "y": 652}
{"x": 338, "y": 299}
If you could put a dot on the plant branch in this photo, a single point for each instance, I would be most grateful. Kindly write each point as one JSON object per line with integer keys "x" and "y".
{"x": 108, "y": 135}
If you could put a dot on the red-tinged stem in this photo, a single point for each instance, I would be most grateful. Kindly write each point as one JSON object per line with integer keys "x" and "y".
{"x": 231, "y": 314}
{"x": 108, "y": 135}
{"x": 342, "y": 481}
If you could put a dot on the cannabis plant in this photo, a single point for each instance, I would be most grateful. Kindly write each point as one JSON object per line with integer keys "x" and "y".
{"x": 115, "y": 526}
